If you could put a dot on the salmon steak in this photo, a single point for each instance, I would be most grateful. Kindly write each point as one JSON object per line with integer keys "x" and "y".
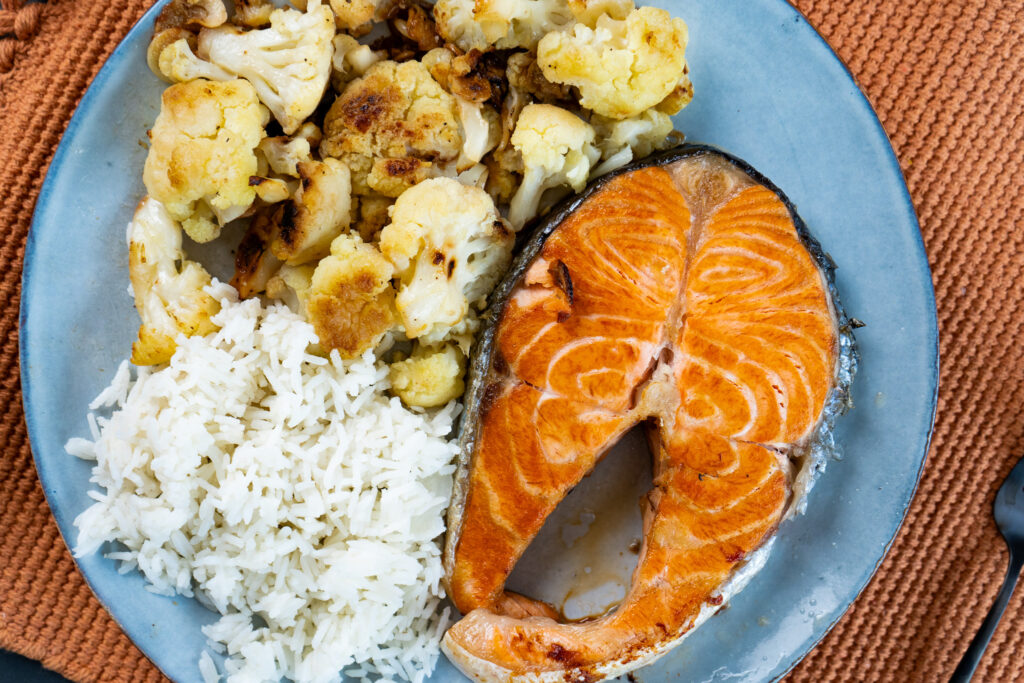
{"x": 684, "y": 293}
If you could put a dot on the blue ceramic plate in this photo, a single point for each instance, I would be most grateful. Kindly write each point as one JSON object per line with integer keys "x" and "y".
{"x": 769, "y": 90}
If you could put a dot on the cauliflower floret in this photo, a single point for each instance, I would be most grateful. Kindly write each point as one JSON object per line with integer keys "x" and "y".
{"x": 288, "y": 63}
{"x": 449, "y": 247}
{"x": 351, "y": 60}
{"x": 202, "y": 153}
{"x": 319, "y": 212}
{"x": 392, "y": 177}
{"x": 291, "y": 285}
{"x": 255, "y": 264}
{"x": 622, "y": 141}
{"x": 478, "y": 24}
{"x": 557, "y": 149}
{"x": 253, "y": 13}
{"x": 373, "y": 216}
{"x": 394, "y": 111}
{"x": 190, "y": 14}
{"x": 481, "y": 132}
{"x": 353, "y": 14}
{"x": 620, "y": 67}
{"x": 168, "y": 288}
{"x": 350, "y": 300}
{"x": 589, "y": 11}
{"x": 430, "y": 377}
{"x": 283, "y": 154}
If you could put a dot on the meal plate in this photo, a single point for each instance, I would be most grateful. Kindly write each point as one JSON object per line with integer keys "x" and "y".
{"x": 769, "y": 90}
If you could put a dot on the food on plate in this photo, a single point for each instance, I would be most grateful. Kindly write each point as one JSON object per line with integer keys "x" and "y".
{"x": 288, "y": 63}
{"x": 621, "y": 66}
{"x": 289, "y": 456}
{"x": 286, "y": 491}
{"x": 449, "y": 247}
{"x": 202, "y": 153}
{"x": 169, "y": 289}
{"x": 683, "y": 293}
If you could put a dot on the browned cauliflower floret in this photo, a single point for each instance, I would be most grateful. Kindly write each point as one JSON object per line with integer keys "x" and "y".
{"x": 449, "y": 248}
{"x": 202, "y": 153}
{"x": 168, "y": 288}
{"x": 253, "y": 13}
{"x": 319, "y": 212}
{"x": 392, "y": 177}
{"x": 429, "y": 377}
{"x": 394, "y": 111}
{"x": 621, "y": 67}
{"x": 480, "y": 24}
{"x": 373, "y": 216}
{"x": 350, "y": 300}
{"x": 255, "y": 264}
{"x": 190, "y": 14}
{"x": 354, "y": 14}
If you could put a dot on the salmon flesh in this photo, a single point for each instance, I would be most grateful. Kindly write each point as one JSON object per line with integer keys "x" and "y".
{"x": 682, "y": 292}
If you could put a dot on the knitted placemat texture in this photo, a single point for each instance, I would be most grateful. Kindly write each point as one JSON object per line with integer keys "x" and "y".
{"x": 945, "y": 77}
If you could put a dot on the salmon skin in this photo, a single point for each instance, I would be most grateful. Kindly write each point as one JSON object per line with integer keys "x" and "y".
{"x": 683, "y": 292}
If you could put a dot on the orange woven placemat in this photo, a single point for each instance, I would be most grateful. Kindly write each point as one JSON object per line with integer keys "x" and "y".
{"x": 946, "y": 78}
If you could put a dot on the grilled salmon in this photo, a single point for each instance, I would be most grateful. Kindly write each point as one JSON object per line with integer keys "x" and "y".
{"x": 684, "y": 293}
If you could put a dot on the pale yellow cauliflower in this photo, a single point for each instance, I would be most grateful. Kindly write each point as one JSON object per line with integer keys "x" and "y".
{"x": 283, "y": 154}
{"x": 289, "y": 62}
{"x": 449, "y": 247}
{"x": 479, "y": 24}
{"x": 350, "y": 301}
{"x": 621, "y": 67}
{"x": 354, "y": 14}
{"x": 589, "y": 11}
{"x": 202, "y": 153}
{"x": 557, "y": 149}
{"x": 394, "y": 111}
{"x": 168, "y": 288}
{"x": 622, "y": 141}
{"x": 429, "y": 377}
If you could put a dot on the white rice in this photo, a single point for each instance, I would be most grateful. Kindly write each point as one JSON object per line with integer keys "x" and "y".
{"x": 275, "y": 484}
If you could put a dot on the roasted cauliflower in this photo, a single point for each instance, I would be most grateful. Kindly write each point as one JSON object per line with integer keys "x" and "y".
{"x": 479, "y": 24}
{"x": 557, "y": 150}
{"x": 289, "y": 63}
{"x": 290, "y": 285}
{"x": 449, "y": 247}
{"x": 202, "y": 153}
{"x": 351, "y": 60}
{"x": 622, "y": 141}
{"x": 283, "y": 154}
{"x": 168, "y": 288}
{"x": 621, "y": 67}
{"x": 354, "y": 14}
{"x": 253, "y": 13}
{"x": 350, "y": 301}
{"x": 319, "y": 212}
{"x": 394, "y": 111}
{"x": 589, "y": 11}
{"x": 429, "y": 377}
{"x": 255, "y": 264}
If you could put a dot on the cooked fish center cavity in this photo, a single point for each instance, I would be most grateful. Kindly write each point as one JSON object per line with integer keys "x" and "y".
{"x": 684, "y": 293}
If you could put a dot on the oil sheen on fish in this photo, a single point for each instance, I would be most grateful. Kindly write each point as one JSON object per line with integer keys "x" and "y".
{"x": 682, "y": 292}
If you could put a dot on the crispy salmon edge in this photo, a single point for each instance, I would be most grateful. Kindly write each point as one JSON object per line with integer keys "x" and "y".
{"x": 810, "y": 457}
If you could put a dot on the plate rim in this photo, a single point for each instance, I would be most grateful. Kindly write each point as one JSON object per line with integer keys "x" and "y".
{"x": 66, "y": 526}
